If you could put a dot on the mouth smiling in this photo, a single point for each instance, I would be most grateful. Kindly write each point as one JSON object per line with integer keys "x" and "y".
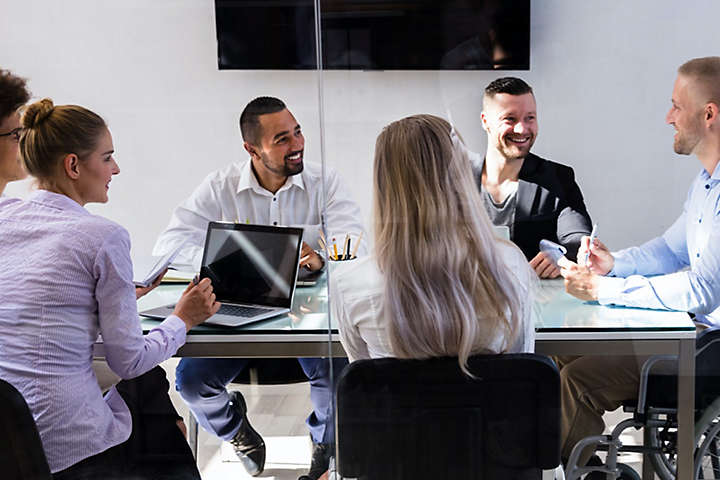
{"x": 524, "y": 140}
{"x": 295, "y": 157}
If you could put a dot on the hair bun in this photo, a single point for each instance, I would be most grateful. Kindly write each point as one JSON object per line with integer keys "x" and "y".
{"x": 37, "y": 112}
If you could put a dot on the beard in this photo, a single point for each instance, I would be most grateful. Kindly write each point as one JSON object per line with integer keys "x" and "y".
{"x": 511, "y": 151}
{"x": 288, "y": 167}
{"x": 686, "y": 140}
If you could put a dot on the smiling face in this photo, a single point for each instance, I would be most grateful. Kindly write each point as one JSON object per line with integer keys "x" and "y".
{"x": 10, "y": 165}
{"x": 279, "y": 153}
{"x": 686, "y": 115}
{"x": 511, "y": 124}
{"x": 96, "y": 170}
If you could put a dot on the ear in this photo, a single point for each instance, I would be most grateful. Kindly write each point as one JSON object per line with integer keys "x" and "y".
{"x": 484, "y": 120}
{"x": 71, "y": 166}
{"x": 251, "y": 149}
{"x": 711, "y": 112}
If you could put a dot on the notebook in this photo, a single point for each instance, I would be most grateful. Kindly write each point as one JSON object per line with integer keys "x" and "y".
{"x": 253, "y": 269}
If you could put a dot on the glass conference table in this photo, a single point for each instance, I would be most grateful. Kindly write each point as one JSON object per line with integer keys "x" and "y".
{"x": 567, "y": 326}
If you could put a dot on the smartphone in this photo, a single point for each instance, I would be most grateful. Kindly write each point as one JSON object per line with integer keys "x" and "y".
{"x": 554, "y": 251}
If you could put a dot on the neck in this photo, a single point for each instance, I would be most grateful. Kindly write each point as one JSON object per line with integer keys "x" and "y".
{"x": 709, "y": 154}
{"x": 498, "y": 169}
{"x": 62, "y": 190}
{"x": 3, "y": 184}
{"x": 268, "y": 180}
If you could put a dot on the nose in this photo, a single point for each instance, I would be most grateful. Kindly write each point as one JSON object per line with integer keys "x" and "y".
{"x": 669, "y": 118}
{"x": 299, "y": 142}
{"x": 116, "y": 168}
{"x": 520, "y": 127}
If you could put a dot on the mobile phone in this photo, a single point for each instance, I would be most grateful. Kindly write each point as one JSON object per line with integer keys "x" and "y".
{"x": 554, "y": 251}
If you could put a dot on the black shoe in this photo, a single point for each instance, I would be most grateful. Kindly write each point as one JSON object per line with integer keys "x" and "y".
{"x": 248, "y": 444}
{"x": 320, "y": 461}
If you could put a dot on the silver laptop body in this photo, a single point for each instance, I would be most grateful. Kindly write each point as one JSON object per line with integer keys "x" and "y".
{"x": 253, "y": 269}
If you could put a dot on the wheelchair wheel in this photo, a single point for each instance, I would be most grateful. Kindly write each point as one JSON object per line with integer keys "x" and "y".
{"x": 707, "y": 454}
{"x": 665, "y": 439}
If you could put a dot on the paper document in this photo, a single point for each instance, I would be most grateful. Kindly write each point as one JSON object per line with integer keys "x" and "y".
{"x": 144, "y": 277}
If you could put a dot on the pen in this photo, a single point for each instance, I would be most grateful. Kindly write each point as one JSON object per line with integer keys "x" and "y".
{"x": 346, "y": 247}
{"x": 335, "y": 249}
{"x": 347, "y": 255}
{"x": 593, "y": 234}
{"x": 357, "y": 244}
{"x": 196, "y": 279}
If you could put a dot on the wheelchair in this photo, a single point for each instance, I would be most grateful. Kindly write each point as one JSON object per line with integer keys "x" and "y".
{"x": 655, "y": 411}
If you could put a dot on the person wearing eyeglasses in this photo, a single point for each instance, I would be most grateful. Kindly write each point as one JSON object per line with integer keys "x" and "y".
{"x": 13, "y": 95}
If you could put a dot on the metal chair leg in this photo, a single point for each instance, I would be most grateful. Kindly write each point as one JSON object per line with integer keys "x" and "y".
{"x": 193, "y": 435}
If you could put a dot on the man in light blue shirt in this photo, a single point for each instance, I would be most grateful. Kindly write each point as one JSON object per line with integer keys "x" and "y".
{"x": 591, "y": 386}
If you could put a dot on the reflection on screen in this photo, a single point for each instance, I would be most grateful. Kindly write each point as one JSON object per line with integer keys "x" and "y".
{"x": 251, "y": 267}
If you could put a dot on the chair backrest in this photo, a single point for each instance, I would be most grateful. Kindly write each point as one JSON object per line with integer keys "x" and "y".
{"x": 21, "y": 451}
{"x": 426, "y": 419}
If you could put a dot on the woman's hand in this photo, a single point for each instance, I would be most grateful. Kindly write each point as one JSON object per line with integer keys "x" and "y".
{"x": 140, "y": 291}
{"x": 197, "y": 303}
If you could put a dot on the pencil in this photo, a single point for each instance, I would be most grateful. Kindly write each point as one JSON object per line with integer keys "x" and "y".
{"x": 357, "y": 244}
{"x": 335, "y": 249}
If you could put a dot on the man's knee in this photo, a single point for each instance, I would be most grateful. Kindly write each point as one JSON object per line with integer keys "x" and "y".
{"x": 193, "y": 381}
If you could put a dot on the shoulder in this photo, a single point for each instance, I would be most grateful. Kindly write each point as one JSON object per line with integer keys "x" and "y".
{"x": 542, "y": 166}
{"x": 515, "y": 261}
{"x": 312, "y": 172}
{"x": 103, "y": 230}
{"x": 228, "y": 174}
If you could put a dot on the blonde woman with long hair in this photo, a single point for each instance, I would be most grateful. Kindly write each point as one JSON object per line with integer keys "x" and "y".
{"x": 440, "y": 283}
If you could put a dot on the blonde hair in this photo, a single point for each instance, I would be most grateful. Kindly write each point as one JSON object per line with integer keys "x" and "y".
{"x": 447, "y": 293}
{"x": 705, "y": 71}
{"x": 52, "y": 132}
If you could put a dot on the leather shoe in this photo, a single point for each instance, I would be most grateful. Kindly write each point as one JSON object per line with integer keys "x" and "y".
{"x": 247, "y": 443}
{"x": 320, "y": 461}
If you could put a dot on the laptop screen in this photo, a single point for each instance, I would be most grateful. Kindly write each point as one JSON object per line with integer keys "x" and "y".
{"x": 253, "y": 264}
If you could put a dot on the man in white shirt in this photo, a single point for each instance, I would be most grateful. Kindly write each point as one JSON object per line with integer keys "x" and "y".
{"x": 274, "y": 187}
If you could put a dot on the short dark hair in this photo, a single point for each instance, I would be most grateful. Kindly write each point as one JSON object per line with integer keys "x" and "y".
{"x": 13, "y": 93}
{"x": 509, "y": 85}
{"x": 249, "y": 121}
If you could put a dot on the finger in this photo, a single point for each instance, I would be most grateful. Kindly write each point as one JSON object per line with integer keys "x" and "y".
{"x": 537, "y": 259}
{"x": 215, "y": 308}
{"x": 547, "y": 270}
{"x": 554, "y": 273}
{"x": 304, "y": 260}
{"x": 564, "y": 262}
{"x": 211, "y": 300}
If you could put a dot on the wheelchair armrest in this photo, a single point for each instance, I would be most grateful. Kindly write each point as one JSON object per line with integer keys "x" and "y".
{"x": 645, "y": 374}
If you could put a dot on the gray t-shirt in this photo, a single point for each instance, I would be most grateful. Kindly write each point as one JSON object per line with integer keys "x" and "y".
{"x": 501, "y": 213}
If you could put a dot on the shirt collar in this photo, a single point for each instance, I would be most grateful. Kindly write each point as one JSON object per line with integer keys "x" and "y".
{"x": 248, "y": 180}
{"x": 56, "y": 200}
{"x": 715, "y": 175}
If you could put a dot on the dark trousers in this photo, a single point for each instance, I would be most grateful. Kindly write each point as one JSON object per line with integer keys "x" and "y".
{"x": 156, "y": 448}
{"x": 201, "y": 382}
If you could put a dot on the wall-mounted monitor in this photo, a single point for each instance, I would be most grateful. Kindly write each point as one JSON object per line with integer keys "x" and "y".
{"x": 374, "y": 34}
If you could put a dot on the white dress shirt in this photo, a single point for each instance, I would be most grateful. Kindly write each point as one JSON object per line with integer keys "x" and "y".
{"x": 356, "y": 296}
{"x": 234, "y": 194}
{"x": 692, "y": 241}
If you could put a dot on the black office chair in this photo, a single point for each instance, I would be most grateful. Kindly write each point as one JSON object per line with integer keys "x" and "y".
{"x": 21, "y": 452}
{"x": 426, "y": 419}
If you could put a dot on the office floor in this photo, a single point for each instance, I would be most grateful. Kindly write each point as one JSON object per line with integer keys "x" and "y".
{"x": 278, "y": 412}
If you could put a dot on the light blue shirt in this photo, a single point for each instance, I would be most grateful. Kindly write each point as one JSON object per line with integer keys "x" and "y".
{"x": 692, "y": 241}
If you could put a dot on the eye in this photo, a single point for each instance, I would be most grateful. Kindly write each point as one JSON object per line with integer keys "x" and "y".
{"x": 510, "y": 119}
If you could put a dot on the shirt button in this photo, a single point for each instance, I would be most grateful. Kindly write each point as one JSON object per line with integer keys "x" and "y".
{"x": 697, "y": 255}
{"x": 274, "y": 199}
{"x": 700, "y": 220}
{"x": 275, "y": 223}
{"x": 707, "y": 187}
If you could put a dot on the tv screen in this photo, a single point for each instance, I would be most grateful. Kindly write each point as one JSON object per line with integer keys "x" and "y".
{"x": 374, "y": 34}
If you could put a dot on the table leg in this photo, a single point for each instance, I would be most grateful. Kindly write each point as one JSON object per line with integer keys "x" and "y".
{"x": 686, "y": 408}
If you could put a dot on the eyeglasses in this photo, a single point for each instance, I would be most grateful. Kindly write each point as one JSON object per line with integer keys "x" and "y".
{"x": 14, "y": 133}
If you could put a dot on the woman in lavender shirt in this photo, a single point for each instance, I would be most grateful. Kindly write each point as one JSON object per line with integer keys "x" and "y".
{"x": 65, "y": 277}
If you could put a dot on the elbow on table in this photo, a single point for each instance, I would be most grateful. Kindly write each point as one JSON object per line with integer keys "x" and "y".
{"x": 706, "y": 296}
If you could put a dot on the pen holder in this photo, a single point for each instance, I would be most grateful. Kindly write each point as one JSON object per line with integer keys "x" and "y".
{"x": 341, "y": 258}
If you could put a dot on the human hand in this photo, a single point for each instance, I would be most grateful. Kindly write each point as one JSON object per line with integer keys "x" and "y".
{"x": 309, "y": 258}
{"x": 544, "y": 266}
{"x": 197, "y": 303}
{"x": 140, "y": 291}
{"x": 580, "y": 282}
{"x": 600, "y": 261}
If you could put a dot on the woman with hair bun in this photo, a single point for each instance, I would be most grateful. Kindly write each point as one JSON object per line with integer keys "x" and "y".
{"x": 440, "y": 283}
{"x": 65, "y": 278}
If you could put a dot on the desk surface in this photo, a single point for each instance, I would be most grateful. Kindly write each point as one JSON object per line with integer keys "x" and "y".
{"x": 561, "y": 316}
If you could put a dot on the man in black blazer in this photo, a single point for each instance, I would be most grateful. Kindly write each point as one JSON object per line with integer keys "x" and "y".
{"x": 535, "y": 198}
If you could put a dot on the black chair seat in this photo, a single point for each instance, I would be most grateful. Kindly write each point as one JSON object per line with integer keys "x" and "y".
{"x": 21, "y": 452}
{"x": 272, "y": 371}
{"x": 425, "y": 419}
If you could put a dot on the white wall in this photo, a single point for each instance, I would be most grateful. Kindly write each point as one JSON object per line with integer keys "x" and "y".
{"x": 602, "y": 72}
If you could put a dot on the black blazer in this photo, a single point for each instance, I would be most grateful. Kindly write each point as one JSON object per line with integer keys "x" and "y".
{"x": 549, "y": 205}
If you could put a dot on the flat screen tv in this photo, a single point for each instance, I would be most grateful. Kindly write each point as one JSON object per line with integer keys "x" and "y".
{"x": 374, "y": 34}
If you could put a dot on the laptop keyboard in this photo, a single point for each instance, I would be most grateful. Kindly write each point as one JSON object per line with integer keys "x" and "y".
{"x": 238, "y": 311}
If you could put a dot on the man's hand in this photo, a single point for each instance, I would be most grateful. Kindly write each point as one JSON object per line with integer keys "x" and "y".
{"x": 309, "y": 258}
{"x": 600, "y": 261}
{"x": 543, "y": 266}
{"x": 140, "y": 291}
{"x": 580, "y": 282}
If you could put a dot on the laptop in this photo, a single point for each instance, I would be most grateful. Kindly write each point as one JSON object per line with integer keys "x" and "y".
{"x": 253, "y": 269}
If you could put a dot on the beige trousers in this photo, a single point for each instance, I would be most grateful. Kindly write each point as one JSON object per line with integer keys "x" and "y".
{"x": 591, "y": 386}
